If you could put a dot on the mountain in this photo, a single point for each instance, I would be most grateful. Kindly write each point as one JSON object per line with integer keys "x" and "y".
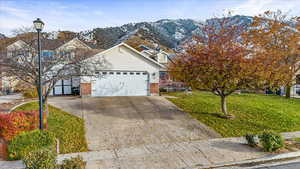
{"x": 165, "y": 32}
{"x": 2, "y": 36}
{"x": 168, "y": 34}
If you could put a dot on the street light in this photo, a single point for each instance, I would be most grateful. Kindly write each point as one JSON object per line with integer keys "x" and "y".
{"x": 38, "y": 25}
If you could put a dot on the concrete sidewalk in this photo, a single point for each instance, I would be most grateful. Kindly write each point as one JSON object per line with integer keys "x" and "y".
{"x": 177, "y": 155}
{"x": 172, "y": 155}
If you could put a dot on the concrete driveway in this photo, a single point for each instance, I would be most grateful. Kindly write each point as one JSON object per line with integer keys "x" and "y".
{"x": 120, "y": 122}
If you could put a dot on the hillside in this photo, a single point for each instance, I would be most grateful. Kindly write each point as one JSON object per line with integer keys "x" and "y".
{"x": 168, "y": 34}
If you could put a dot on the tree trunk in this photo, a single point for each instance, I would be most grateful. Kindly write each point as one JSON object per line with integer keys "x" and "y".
{"x": 46, "y": 107}
{"x": 224, "y": 105}
{"x": 288, "y": 92}
{"x": 45, "y": 112}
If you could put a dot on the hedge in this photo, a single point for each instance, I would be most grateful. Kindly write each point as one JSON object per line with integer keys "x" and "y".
{"x": 30, "y": 141}
{"x": 40, "y": 159}
{"x": 67, "y": 128}
{"x": 15, "y": 123}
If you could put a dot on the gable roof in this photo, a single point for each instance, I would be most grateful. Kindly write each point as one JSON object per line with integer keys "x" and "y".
{"x": 50, "y": 44}
{"x": 75, "y": 40}
{"x": 46, "y": 44}
{"x": 18, "y": 44}
{"x": 135, "y": 51}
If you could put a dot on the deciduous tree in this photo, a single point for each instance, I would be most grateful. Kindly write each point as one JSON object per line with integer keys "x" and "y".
{"x": 274, "y": 38}
{"x": 21, "y": 63}
{"x": 217, "y": 61}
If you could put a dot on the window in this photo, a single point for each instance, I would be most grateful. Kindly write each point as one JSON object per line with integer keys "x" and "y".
{"x": 137, "y": 73}
{"x": 118, "y": 73}
{"x": 131, "y": 73}
{"x": 111, "y": 73}
{"x": 124, "y": 73}
{"x": 47, "y": 55}
{"x": 144, "y": 73}
{"x": 104, "y": 73}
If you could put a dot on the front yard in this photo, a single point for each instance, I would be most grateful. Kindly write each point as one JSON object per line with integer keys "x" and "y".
{"x": 253, "y": 113}
{"x": 67, "y": 128}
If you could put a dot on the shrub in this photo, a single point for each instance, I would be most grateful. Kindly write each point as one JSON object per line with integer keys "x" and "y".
{"x": 162, "y": 90}
{"x": 40, "y": 159}
{"x": 30, "y": 93}
{"x": 271, "y": 141}
{"x": 30, "y": 141}
{"x": 17, "y": 122}
{"x": 66, "y": 127}
{"x": 73, "y": 163}
{"x": 251, "y": 140}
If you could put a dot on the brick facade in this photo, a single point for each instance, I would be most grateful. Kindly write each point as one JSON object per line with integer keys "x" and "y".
{"x": 85, "y": 89}
{"x": 154, "y": 88}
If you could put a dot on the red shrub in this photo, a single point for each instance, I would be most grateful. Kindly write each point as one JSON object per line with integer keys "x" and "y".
{"x": 16, "y": 122}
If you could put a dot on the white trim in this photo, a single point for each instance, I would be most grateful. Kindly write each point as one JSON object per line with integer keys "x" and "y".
{"x": 134, "y": 50}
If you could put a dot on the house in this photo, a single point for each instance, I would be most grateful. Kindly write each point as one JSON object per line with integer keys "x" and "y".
{"x": 158, "y": 55}
{"x": 128, "y": 73}
{"x": 295, "y": 89}
{"x": 8, "y": 83}
{"x": 49, "y": 46}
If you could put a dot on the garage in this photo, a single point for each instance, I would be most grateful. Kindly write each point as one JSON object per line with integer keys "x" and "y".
{"x": 63, "y": 87}
{"x": 120, "y": 83}
{"x": 66, "y": 87}
{"x": 126, "y": 72}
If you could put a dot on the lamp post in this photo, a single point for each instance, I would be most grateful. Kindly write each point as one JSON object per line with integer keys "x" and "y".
{"x": 38, "y": 25}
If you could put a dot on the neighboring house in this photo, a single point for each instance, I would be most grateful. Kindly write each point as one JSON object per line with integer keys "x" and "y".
{"x": 295, "y": 89}
{"x": 63, "y": 87}
{"x": 166, "y": 83}
{"x": 159, "y": 55}
{"x": 128, "y": 73}
{"x": 7, "y": 84}
{"x": 69, "y": 86}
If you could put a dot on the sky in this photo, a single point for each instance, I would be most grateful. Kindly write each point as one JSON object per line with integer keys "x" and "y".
{"x": 78, "y": 15}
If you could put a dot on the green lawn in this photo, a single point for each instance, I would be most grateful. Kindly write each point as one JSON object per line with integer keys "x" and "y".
{"x": 253, "y": 113}
{"x": 67, "y": 128}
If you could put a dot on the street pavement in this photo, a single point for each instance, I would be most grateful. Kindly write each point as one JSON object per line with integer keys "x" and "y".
{"x": 283, "y": 166}
{"x": 10, "y": 98}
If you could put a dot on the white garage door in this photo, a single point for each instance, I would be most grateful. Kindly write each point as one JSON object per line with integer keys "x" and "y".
{"x": 120, "y": 84}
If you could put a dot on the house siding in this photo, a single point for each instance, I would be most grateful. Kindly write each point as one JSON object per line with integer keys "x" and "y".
{"x": 121, "y": 58}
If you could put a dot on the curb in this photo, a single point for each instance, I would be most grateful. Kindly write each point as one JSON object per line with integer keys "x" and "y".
{"x": 250, "y": 163}
{"x": 20, "y": 105}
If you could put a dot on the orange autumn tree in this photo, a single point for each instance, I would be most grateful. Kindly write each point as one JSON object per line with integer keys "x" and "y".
{"x": 217, "y": 61}
{"x": 274, "y": 38}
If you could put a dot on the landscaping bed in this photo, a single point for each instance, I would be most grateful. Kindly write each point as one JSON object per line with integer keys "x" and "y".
{"x": 253, "y": 113}
{"x": 68, "y": 129}
{"x": 6, "y": 107}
